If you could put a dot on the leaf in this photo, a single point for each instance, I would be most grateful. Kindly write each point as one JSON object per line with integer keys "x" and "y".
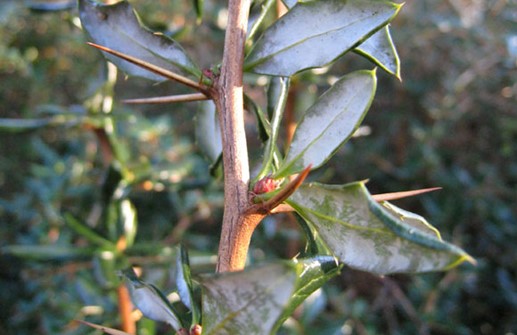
{"x": 379, "y": 48}
{"x": 330, "y": 122}
{"x": 313, "y": 34}
{"x": 256, "y": 19}
{"x": 185, "y": 285}
{"x": 86, "y": 232}
{"x": 16, "y": 125}
{"x": 277, "y": 97}
{"x": 313, "y": 273}
{"x": 198, "y": 7}
{"x": 48, "y": 252}
{"x": 208, "y": 131}
{"x": 368, "y": 236}
{"x": 248, "y": 302}
{"x": 107, "y": 330}
{"x": 118, "y": 27}
{"x": 50, "y": 5}
{"x": 150, "y": 301}
{"x": 129, "y": 221}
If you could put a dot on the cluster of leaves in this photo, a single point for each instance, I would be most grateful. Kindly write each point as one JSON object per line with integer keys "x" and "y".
{"x": 353, "y": 188}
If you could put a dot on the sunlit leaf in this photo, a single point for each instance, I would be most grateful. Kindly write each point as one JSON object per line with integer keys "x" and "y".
{"x": 150, "y": 301}
{"x": 313, "y": 273}
{"x": 368, "y": 236}
{"x": 129, "y": 222}
{"x": 330, "y": 122}
{"x": 379, "y": 48}
{"x": 313, "y": 34}
{"x": 277, "y": 97}
{"x": 247, "y": 302}
{"x": 185, "y": 285}
{"x": 118, "y": 27}
{"x": 208, "y": 131}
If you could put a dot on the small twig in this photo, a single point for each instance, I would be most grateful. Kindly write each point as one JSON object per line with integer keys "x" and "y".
{"x": 168, "y": 99}
{"x": 153, "y": 68}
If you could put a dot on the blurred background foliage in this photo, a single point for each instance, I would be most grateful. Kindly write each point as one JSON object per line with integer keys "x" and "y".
{"x": 451, "y": 122}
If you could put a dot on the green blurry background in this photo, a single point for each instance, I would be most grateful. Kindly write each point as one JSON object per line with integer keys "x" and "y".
{"x": 451, "y": 122}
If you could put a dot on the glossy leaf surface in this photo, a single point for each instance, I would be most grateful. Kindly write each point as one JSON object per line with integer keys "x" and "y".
{"x": 330, "y": 122}
{"x": 150, "y": 301}
{"x": 247, "y": 302}
{"x": 118, "y": 27}
{"x": 313, "y": 34}
{"x": 369, "y": 236}
{"x": 185, "y": 285}
{"x": 313, "y": 273}
{"x": 379, "y": 48}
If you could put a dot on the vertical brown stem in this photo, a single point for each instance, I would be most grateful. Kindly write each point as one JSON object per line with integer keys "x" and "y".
{"x": 236, "y": 229}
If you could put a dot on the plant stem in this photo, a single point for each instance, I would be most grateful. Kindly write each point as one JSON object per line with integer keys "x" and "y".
{"x": 237, "y": 225}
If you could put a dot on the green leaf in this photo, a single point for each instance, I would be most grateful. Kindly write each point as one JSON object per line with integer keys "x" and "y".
{"x": 150, "y": 301}
{"x": 208, "y": 131}
{"x": 198, "y": 7}
{"x": 118, "y": 27}
{"x": 315, "y": 33}
{"x": 16, "y": 125}
{"x": 48, "y": 252}
{"x": 330, "y": 122}
{"x": 185, "y": 285}
{"x": 277, "y": 97}
{"x": 86, "y": 232}
{"x": 373, "y": 237}
{"x": 50, "y": 5}
{"x": 248, "y": 302}
{"x": 256, "y": 20}
{"x": 313, "y": 273}
{"x": 379, "y": 48}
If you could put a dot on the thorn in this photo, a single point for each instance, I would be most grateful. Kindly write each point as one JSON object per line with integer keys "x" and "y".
{"x": 151, "y": 67}
{"x": 168, "y": 99}
{"x": 403, "y": 194}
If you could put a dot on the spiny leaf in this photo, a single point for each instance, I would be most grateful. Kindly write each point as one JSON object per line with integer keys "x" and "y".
{"x": 379, "y": 48}
{"x": 247, "y": 302}
{"x": 118, "y": 27}
{"x": 330, "y": 122}
{"x": 369, "y": 236}
{"x": 313, "y": 34}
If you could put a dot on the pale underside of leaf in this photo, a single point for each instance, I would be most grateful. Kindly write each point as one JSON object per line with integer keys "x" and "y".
{"x": 315, "y": 33}
{"x": 248, "y": 302}
{"x": 366, "y": 236}
{"x": 117, "y": 27}
{"x": 330, "y": 122}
